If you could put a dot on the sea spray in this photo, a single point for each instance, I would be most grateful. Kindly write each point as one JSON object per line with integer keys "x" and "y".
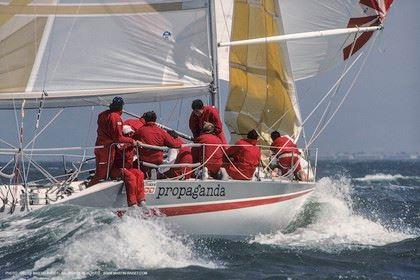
{"x": 74, "y": 243}
{"x": 334, "y": 225}
{"x": 132, "y": 243}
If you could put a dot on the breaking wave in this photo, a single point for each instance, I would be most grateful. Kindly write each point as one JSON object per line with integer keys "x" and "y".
{"x": 91, "y": 241}
{"x": 385, "y": 177}
{"x": 328, "y": 222}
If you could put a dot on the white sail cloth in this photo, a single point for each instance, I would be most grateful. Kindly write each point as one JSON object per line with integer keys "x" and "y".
{"x": 300, "y": 59}
{"x": 316, "y": 55}
{"x": 78, "y": 51}
{"x": 313, "y": 56}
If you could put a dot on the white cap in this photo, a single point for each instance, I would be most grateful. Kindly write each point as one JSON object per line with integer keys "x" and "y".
{"x": 127, "y": 129}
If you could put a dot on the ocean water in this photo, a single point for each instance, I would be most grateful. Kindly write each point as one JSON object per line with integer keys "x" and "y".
{"x": 362, "y": 222}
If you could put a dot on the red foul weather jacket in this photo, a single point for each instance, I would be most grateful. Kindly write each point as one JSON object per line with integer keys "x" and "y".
{"x": 110, "y": 129}
{"x": 289, "y": 155}
{"x": 184, "y": 156}
{"x": 124, "y": 156}
{"x": 136, "y": 124}
{"x": 286, "y": 145}
{"x": 245, "y": 159}
{"x": 210, "y": 115}
{"x": 151, "y": 134}
{"x": 213, "y": 154}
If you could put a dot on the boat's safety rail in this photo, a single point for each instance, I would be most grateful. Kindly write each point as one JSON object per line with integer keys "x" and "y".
{"x": 274, "y": 164}
{"x": 15, "y": 195}
{"x": 49, "y": 183}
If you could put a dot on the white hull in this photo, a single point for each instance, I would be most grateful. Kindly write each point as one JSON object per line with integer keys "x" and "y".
{"x": 232, "y": 208}
{"x": 244, "y": 221}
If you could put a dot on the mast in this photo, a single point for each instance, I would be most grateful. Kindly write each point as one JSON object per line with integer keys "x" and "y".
{"x": 214, "y": 87}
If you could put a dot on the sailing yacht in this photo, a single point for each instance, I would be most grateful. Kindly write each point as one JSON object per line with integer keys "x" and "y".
{"x": 60, "y": 54}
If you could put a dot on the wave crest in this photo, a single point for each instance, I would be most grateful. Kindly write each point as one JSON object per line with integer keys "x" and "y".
{"x": 385, "y": 177}
{"x": 334, "y": 225}
{"x": 81, "y": 241}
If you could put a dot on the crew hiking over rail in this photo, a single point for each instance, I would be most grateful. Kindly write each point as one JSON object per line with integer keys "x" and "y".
{"x": 140, "y": 148}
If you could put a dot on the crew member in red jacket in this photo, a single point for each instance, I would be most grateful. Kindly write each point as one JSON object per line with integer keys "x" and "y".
{"x": 213, "y": 153}
{"x": 109, "y": 132}
{"x": 136, "y": 123}
{"x": 123, "y": 169}
{"x": 287, "y": 154}
{"x": 184, "y": 157}
{"x": 151, "y": 134}
{"x": 245, "y": 156}
{"x": 201, "y": 114}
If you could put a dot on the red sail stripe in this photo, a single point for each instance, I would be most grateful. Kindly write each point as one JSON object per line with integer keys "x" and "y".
{"x": 388, "y": 4}
{"x": 361, "y": 40}
{"x": 205, "y": 208}
{"x": 372, "y": 4}
{"x": 360, "y": 21}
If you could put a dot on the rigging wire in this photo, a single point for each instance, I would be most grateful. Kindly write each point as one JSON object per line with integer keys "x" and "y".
{"x": 83, "y": 160}
{"x": 348, "y": 91}
{"x": 331, "y": 89}
{"x": 224, "y": 18}
{"x": 38, "y": 118}
{"x": 44, "y": 128}
{"x": 179, "y": 113}
{"x": 21, "y": 139}
{"x": 327, "y": 109}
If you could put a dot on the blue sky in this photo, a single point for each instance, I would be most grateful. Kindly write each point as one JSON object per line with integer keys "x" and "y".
{"x": 380, "y": 115}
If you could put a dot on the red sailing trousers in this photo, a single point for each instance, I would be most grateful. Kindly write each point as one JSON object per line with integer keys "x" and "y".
{"x": 104, "y": 157}
{"x": 134, "y": 183}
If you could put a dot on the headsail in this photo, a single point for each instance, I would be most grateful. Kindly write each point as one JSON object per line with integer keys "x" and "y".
{"x": 261, "y": 89}
{"x": 261, "y": 77}
{"x": 77, "y": 52}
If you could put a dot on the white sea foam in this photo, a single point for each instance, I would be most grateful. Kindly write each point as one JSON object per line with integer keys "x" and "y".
{"x": 130, "y": 243}
{"x": 383, "y": 177}
{"x": 335, "y": 225}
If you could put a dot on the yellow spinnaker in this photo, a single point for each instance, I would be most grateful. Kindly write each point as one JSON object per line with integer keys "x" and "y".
{"x": 261, "y": 88}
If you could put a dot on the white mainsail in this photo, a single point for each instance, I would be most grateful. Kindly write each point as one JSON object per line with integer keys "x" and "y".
{"x": 261, "y": 77}
{"x": 75, "y": 53}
